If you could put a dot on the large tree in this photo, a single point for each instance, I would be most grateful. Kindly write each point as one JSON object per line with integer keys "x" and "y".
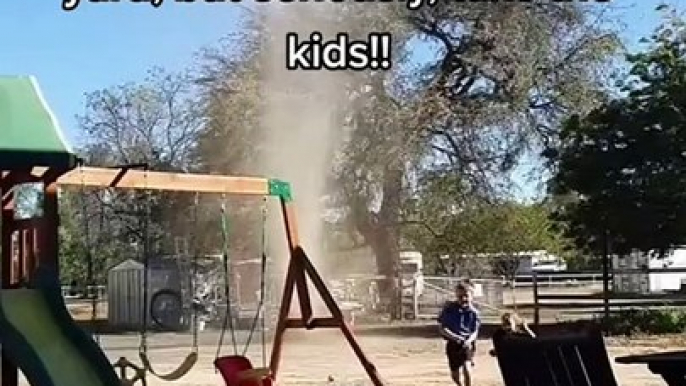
{"x": 620, "y": 168}
{"x": 152, "y": 122}
{"x": 487, "y": 238}
{"x": 465, "y": 113}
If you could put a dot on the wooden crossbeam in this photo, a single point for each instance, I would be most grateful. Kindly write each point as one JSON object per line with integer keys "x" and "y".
{"x": 148, "y": 180}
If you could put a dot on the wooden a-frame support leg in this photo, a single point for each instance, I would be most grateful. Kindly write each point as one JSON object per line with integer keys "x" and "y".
{"x": 299, "y": 268}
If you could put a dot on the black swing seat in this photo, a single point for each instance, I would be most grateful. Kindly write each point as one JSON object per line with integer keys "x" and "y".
{"x": 564, "y": 359}
{"x": 237, "y": 370}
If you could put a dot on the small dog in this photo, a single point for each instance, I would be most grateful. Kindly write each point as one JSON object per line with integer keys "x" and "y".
{"x": 511, "y": 323}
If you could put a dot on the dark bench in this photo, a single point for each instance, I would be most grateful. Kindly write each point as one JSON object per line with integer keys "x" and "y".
{"x": 671, "y": 366}
{"x": 563, "y": 359}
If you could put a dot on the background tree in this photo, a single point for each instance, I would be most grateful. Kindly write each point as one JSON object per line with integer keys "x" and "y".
{"x": 620, "y": 167}
{"x": 86, "y": 249}
{"x": 488, "y": 238}
{"x": 482, "y": 101}
{"x": 152, "y": 122}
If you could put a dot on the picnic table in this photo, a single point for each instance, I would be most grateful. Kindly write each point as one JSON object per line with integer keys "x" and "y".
{"x": 670, "y": 365}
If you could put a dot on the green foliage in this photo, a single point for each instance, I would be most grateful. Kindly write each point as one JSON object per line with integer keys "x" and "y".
{"x": 478, "y": 227}
{"x": 580, "y": 262}
{"x": 29, "y": 199}
{"x": 72, "y": 252}
{"x": 647, "y": 321}
{"x": 87, "y": 246}
{"x": 502, "y": 228}
{"x": 620, "y": 167}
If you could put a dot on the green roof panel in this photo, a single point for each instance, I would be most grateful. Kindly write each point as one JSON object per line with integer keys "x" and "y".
{"x": 29, "y": 132}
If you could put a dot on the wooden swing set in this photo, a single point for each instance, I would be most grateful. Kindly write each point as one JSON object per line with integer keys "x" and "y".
{"x": 54, "y": 165}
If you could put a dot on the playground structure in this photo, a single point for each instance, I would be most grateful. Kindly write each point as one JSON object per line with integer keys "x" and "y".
{"x": 33, "y": 150}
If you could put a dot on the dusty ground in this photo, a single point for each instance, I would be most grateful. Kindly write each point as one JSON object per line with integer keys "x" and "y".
{"x": 310, "y": 357}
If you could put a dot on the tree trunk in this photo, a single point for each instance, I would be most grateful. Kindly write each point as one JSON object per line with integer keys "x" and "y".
{"x": 380, "y": 231}
{"x": 385, "y": 247}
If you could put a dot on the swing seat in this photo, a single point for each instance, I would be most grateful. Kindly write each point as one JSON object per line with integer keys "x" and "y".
{"x": 237, "y": 370}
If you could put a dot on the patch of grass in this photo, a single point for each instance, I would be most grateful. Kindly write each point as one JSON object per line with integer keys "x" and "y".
{"x": 647, "y": 321}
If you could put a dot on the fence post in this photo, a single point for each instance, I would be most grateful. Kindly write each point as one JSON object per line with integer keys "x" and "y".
{"x": 238, "y": 298}
{"x": 607, "y": 255}
{"x": 537, "y": 315}
{"x": 415, "y": 299}
{"x": 398, "y": 306}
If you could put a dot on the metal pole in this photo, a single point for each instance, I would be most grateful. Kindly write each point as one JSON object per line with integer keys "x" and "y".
{"x": 537, "y": 311}
{"x": 606, "y": 279}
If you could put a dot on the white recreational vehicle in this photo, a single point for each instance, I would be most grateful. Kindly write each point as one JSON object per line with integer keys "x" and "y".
{"x": 411, "y": 272}
{"x": 539, "y": 261}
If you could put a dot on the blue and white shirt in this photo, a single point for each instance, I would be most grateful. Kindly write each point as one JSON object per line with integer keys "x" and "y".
{"x": 463, "y": 321}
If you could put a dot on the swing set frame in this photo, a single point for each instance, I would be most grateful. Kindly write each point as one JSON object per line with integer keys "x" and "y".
{"x": 41, "y": 246}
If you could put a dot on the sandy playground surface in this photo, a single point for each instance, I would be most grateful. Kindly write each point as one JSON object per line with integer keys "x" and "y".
{"x": 310, "y": 357}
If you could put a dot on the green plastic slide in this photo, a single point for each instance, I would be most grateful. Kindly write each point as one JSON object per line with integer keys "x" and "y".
{"x": 46, "y": 344}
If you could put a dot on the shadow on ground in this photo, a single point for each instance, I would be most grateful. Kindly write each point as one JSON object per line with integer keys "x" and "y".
{"x": 430, "y": 331}
{"x": 413, "y": 330}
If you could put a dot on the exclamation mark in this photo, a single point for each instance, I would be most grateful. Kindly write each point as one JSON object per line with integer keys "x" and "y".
{"x": 374, "y": 51}
{"x": 385, "y": 52}
{"x": 380, "y": 51}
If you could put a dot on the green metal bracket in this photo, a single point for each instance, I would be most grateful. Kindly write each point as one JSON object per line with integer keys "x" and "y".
{"x": 281, "y": 189}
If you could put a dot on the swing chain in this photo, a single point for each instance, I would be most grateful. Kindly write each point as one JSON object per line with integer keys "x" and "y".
{"x": 228, "y": 315}
{"x": 138, "y": 375}
{"x": 90, "y": 281}
{"x": 263, "y": 272}
{"x": 144, "y": 213}
{"x": 190, "y": 360}
{"x": 195, "y": 251}
{"x": 145, "y": 225}
{"x": 259, "y": 314}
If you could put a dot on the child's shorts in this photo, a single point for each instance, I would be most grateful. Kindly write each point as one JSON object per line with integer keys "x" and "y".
{"x": 459, "y": 355}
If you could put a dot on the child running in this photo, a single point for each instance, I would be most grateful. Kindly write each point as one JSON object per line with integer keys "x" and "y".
{"x": 459, "y": 326}
{"x": 512, "y": 324}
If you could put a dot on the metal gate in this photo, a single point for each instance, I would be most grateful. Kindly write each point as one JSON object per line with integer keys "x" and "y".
{"x": 437, "y": 290}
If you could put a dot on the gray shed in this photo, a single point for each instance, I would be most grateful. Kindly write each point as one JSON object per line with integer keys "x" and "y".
{"x": 125, "y": 294}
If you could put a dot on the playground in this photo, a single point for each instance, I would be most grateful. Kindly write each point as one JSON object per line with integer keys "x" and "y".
{"x": 42, "y": 338}
{"x": 238, "y": 323}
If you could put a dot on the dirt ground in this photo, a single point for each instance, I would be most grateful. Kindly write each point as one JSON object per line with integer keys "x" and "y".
{"x": 313, "y": 357}
{"x": 323, "y": 357}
